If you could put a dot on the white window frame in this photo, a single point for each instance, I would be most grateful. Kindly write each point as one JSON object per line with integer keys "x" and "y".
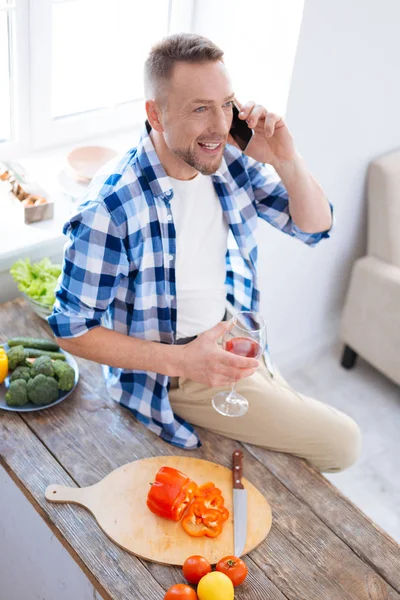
{"x": 19, "y": 85}
{"x": 33, "y": 127}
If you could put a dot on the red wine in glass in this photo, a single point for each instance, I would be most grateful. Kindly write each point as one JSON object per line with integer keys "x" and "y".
{"x": 243, "y": 347}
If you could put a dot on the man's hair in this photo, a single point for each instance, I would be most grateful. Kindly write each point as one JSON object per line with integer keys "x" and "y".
{"x": 185, "y": 47}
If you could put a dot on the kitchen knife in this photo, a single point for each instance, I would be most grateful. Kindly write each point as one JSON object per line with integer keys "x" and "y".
{"x": 239, "y": 504}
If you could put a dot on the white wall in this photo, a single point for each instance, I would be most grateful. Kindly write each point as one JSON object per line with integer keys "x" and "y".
{"x": 252, "y": 34}
{"x": 343, "y": 111}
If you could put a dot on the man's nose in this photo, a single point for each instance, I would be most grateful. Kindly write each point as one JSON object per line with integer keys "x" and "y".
{"x": 221, "y": 121}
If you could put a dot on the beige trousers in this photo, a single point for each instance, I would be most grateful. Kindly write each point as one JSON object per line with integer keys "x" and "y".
{"x": 279, "y": 418}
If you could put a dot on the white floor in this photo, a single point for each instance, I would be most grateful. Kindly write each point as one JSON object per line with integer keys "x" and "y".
{"x": 373, "y": 401}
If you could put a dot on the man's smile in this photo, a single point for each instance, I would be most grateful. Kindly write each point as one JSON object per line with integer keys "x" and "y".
{"x": 210, "y": 148}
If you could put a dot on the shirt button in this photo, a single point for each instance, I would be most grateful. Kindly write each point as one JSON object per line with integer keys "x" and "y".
{"x": 171, "y": 257}
{"x": 169, "y": 217}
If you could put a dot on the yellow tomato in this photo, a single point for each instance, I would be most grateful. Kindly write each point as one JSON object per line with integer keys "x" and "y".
{"x": 3, "y": 365}
{"x": 215, "y": 586}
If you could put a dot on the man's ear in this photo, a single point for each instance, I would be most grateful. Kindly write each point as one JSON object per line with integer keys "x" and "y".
{"x": 154, "y": 115}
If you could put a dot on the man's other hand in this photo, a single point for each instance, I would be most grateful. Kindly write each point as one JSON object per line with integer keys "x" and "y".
{"x": 204, "y": 361}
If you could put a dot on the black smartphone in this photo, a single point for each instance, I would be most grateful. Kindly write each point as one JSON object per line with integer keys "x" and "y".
{"x": 240, "y": 131}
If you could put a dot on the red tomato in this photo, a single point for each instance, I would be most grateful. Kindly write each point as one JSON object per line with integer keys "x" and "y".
{"x": 180, "y": 591}
{"x": 194, "y": 568}
{"x": 234, "y": 568}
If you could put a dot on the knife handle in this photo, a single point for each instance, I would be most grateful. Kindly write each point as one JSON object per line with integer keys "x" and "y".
{"x": 237, "y": 468}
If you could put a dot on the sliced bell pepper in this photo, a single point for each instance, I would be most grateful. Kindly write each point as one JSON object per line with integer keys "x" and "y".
{"x": 212, "y": 498}
{"x": 3, "y": 365}
{"x": 199, "y": 521}
{"x": 170, "y": 493}
{"x": 224, "y": 513}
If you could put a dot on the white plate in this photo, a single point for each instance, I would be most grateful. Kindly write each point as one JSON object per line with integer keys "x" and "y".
{"x": 29, "y": 407}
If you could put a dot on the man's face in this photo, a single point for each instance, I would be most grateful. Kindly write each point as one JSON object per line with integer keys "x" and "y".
{"x": 198, "y": 114}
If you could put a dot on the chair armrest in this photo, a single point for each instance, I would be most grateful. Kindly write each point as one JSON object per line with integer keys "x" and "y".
{"x": 370, "y": 322}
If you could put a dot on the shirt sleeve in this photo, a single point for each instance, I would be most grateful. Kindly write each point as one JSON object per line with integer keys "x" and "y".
{"x": 272, "y": 202}
{"x": 95, "y": 261}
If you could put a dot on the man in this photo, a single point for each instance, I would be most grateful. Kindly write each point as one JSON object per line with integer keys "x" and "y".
{"x": 164, "y": 244}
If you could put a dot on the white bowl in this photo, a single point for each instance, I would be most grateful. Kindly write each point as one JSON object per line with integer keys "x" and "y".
{"x": 84, "y": 161}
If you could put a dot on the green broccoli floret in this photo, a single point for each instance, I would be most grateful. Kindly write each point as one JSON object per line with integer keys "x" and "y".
{"x": 16, "y": 356}
{"x": 17, "y": 394}
{"x": 21, "y": 372}
{"x": 65, "y": 375}
{"x": 43, "y": 365}
{"x": 42, "y": 390}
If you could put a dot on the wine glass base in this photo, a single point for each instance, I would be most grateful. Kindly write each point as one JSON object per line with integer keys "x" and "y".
{"x": 236, "y": 406}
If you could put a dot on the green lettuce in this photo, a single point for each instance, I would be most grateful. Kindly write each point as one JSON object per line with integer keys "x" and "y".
{"x": 37, "y": 280}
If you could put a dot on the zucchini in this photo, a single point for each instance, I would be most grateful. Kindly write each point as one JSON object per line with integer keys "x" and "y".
{"x": 35, "y": 353}
{"x": 29, "y": 342}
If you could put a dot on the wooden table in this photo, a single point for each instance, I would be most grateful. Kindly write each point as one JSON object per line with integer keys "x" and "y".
{"x": 321, "y": 547}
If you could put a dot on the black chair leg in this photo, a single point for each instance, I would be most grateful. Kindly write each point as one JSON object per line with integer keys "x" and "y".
{"x": 349, "y": 358}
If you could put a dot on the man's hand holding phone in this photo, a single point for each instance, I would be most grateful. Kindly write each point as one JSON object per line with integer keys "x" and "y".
{"x": 260, "y": 134}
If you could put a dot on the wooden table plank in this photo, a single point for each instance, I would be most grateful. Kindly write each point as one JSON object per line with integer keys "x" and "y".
{"x": 367, "y": 540}
{"x": 304, "y": 557}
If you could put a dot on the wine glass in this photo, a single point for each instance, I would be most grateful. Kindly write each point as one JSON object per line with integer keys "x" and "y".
{"x": 247, "y": 336}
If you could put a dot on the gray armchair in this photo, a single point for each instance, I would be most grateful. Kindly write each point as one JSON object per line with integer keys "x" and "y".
{"x": 370, "y": 324}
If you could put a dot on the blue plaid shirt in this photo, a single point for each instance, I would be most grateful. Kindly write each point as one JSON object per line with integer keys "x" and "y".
{"x": 119, "y": 264}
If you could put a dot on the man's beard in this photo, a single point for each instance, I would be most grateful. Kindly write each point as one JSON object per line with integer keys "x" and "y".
{"x": 189, "y": 156}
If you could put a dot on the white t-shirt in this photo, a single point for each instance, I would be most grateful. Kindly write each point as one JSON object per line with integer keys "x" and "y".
{"x": 201, "y": 243}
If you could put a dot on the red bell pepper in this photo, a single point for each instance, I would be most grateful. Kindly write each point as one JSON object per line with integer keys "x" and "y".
{"x": 170, "y": 494}
{"x": 211, "y": 497}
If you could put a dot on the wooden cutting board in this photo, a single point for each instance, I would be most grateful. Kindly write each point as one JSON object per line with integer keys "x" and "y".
{"x": 118, "y": 503}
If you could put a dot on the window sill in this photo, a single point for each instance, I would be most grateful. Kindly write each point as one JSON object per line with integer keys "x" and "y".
{"x": 46, "y": 238}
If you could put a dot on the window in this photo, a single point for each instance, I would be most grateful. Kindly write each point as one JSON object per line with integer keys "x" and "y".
{"x": 98, "y": 50}
{"x": 72, "y": 69}
{"x": 5, "y": 72}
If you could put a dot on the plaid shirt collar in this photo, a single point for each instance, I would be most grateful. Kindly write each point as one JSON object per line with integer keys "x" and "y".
{"x": 160, "y": 186}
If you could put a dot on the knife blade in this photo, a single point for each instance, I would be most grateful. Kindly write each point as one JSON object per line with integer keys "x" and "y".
{"x": 239, "y": 505}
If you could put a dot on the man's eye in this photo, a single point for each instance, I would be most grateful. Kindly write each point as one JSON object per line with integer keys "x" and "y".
{"x": 200, "y": 109}
{"x": 229, "y": 104}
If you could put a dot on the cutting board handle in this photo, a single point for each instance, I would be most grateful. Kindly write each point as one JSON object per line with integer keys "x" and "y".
{"x": 62, "y": 493}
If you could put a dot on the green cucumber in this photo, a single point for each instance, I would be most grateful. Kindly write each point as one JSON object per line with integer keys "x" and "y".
{"x": 35, "y": 353}
{"x": 29, "y": 342}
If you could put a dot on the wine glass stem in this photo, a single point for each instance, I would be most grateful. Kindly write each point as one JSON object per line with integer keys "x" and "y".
{"x": 231, "y": 397}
